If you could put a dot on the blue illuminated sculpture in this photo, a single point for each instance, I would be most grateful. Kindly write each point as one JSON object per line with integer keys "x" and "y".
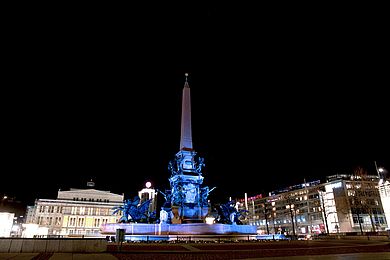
{"x": 166, "y": 214}
{"x": 228, "y": 214}
{"x": 186, "y": 202}
{"x": 187, "y": 199}
{"x": 133, "y": 212}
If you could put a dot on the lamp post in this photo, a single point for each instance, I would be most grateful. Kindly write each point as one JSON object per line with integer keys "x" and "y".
{"x": 291, "y": 208}
{"x": 384, "y": 191}
{"x": 380, "y": 170}
{"x": 3, "y": 199}
{"x": 265, "y": 211}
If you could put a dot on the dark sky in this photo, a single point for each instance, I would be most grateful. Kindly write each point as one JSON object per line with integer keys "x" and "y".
{"x": 277, "y": 97}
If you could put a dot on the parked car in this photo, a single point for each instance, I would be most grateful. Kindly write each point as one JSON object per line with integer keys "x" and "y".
{"x": 304, "y": 237}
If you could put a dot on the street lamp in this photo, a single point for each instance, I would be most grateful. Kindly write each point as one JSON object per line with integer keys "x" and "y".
{"x": 380, "y": 171}
{"x": 290, "y": 207}
{"x": 3, "y": 199}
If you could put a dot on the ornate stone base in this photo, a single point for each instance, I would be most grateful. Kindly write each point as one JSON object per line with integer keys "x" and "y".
{"x": 178, "y": 229}
{"x": 189, "y": 215}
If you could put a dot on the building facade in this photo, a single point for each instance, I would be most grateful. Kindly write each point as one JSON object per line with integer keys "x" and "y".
{"x": 77, "y": 212}
{"x": 384, "y": 192}
{"x": 6, "y": 223}
{"x": 291, "y": 211}
{"x": 352, "y": 203}
{"x": 345, "y": 203}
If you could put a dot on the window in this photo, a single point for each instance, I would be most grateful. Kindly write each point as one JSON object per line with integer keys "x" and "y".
{"x": 72, "y": 222}
{"x": 97, "y": 222}
{"x": 80, "y": 222}
{"x": 355, "y": 220}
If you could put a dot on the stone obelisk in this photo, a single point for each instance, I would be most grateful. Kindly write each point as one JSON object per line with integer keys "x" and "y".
{"x": 186, "y": 132}
{"x": 188, "y": 198}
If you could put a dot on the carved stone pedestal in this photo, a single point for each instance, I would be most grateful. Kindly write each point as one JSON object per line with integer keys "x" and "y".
{"x": 189, "y": 214}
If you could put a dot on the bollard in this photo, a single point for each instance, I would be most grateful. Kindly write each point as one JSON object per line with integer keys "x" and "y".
{"x": 120, "y": 237}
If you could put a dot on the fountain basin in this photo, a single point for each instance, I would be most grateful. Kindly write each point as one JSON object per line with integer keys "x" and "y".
{"x": 178, "y": 229}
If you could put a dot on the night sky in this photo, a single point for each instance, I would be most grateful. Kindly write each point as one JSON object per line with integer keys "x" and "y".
{"x": 277, "y": 98}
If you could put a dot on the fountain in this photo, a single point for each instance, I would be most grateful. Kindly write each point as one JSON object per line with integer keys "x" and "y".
{"x": 186, "y": 203}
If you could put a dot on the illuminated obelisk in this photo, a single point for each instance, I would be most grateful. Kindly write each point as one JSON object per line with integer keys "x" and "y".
{"x": 188, "y": 199}
{"x": 186, "y": 133}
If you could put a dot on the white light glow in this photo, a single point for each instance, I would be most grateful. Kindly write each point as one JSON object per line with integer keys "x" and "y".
{"x": 148, "y": 184}
{"x": 331, "y": 186}
{"x": 210, "y": 220}
{"x": 31, "y": 230}
{"x": 6, "y": 222}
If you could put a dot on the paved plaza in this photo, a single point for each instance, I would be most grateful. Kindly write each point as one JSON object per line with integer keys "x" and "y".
{"x": 292, "y": 250}
{"x": 106, "y": 256}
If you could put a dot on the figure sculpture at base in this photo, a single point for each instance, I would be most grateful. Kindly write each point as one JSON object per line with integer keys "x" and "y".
{"x": 228, "y": 214}
{"x": 166, "y": 216}
{"x": 132, "y": 212}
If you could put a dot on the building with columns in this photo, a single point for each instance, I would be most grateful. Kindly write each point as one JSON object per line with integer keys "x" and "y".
{"x": 77, "y": 212}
